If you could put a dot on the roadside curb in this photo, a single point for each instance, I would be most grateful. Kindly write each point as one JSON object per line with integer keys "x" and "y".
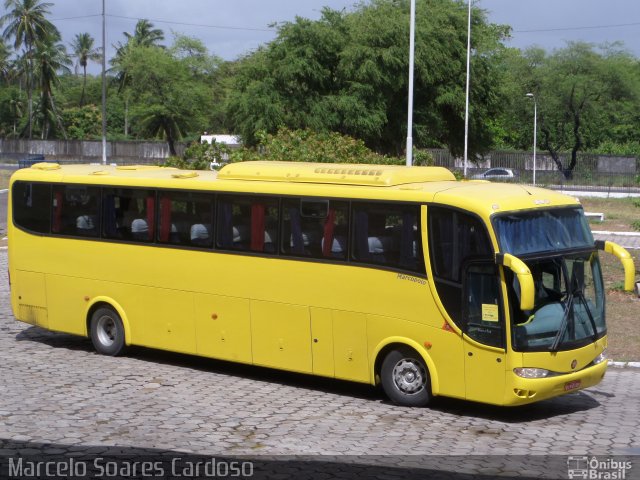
{"x": 623, "y": 234}
{"x": 624, "y": 364}
{"x": 4, "y": 190}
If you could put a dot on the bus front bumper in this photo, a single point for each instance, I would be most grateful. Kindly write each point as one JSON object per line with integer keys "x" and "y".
{"x": 521, "y": 391}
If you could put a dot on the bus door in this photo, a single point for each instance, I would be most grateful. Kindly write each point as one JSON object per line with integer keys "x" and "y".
{"x": 483, "y": 333}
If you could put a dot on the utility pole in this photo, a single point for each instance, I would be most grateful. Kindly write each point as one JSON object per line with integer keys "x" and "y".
{"x": 466, "y": 101}
{"x": 104, "y": 86}
{"x": 412, "y": 35}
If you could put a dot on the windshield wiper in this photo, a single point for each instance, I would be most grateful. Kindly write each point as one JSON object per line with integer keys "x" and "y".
{"x": 568, "y": 310}
{"x": 568, "y": 307}
{"x": 583, "y": 300}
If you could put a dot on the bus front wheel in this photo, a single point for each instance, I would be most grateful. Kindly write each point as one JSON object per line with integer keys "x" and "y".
{"x": 405, "y": 378}
{"x": 107, "y": 332}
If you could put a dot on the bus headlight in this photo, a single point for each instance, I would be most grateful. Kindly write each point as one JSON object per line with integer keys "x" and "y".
{"x": 531, "y": 372}
{"x": 600, "y": 358}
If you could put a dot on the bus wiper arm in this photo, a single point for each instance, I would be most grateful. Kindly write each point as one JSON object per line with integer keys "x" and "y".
{"x": 589, "y": 315}
{"x": 563, "y": 326}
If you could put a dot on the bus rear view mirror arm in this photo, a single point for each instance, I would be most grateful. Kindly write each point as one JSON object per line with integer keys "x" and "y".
{"x": 524, "y": 276}
{"x": 625, "y": 257}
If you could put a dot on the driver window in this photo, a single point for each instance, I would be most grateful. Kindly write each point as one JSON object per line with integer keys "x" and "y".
{"x": 483, "y": 319}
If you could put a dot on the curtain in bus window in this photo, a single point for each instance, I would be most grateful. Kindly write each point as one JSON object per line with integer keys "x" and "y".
{"x": 297, "y": 240}
{"x": 225, "y": 224}
{"x": 57, "y": 212}
{"x": 165, "y": 218}
{"x": 257, "y": 227}
{"x": 151, "y": 215}
{"x": 110, "y": 220}
{"x": 362, "y": 235}
{"x": 329, "y": 227}
{"x": 442, "y": 242}
{"x": 543, "y": 231}
{"x": 408, "y": 247}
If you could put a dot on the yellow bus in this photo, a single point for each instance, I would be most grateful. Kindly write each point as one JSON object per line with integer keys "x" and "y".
{"x": 393, "y": 276}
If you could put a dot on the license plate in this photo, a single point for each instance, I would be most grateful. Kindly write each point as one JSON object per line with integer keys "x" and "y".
{"x": 571, "y": 385}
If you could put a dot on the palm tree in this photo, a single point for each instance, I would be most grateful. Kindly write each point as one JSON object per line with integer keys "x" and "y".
{"x": 83, "y": 50}
{"x": 50, "y": 58}
{"x": 16, "y": 109}
{"x": 5, "y": 63}
{"x": 145, "y": 35}
{"x": 27, "y": 24}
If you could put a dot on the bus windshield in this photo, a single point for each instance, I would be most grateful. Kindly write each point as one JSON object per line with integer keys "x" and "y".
{"x": 543, "y": 231}
{"x": 569, "y": 304}
{"x": 569, "y": 294}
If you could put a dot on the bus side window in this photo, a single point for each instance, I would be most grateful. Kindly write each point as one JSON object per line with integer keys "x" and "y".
{"x": 483, "y": 312}
{"x": 248, "y": 224}
{"x": 387, "y": 235}
{"x": 31, "y": 206}
{"x": 454, "y": 238}
{"x": 76, "y": 210}
{"x": 185, "y": 219}
{"x": 129, "y": 214}
{"x": 308, "y": 225}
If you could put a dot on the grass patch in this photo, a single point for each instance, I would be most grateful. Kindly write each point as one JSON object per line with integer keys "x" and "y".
{"x": 620, "y": 214}
{"x": 622, "y": 310}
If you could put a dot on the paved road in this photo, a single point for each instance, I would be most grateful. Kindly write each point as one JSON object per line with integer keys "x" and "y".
{"x": 60, "y": 397}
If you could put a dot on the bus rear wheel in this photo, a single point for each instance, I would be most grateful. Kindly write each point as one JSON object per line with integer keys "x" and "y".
{"x": 405, "y": 378}
{"x": 107, "y": 332}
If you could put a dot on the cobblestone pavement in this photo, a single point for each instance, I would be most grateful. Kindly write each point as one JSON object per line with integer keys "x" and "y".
{"x": 58, "y": 396}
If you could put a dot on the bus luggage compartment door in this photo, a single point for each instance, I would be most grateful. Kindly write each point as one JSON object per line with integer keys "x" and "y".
{"x": 281, "y": 336}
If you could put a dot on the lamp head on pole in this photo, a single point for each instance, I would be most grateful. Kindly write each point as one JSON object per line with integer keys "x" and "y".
{"x": 530, "y": 95}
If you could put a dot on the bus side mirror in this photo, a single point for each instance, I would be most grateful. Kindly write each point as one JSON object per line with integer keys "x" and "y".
{"x": 624, "y": 257}
{"x": 522, "y": 272}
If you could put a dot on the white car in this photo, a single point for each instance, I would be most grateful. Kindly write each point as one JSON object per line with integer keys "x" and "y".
{"x": 496, "y": 174}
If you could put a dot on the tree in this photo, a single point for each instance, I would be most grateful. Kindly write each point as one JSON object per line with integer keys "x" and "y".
{"x": 586, "y": 96}
{"x": 348, "y": 72}
{"x": 5, "y": 63}
{"x": 83, "y": 51}
{"x": 145, "y": 35}
{"x": 27, "y": 25}
{"x": 168, "y": 102}
{"x": 50, "y": 58}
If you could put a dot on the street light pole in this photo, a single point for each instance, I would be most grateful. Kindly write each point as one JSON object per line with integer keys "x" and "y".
{"x": 466, "y": 101}
{"x": 104, "y": 87}
{"x": 535, "y": 132}
{"x": 412, "y": 35}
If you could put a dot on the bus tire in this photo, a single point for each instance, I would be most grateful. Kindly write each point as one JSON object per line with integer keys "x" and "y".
{"x": 107, "y": 332}
{"x": 405, "y": 378}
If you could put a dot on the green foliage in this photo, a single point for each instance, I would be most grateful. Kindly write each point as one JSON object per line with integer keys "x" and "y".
{"x": 587, "y": 97}
{"x": 636, "y": 202}
{"x": 82, "y": 122}
{"x": 636, "y": 225}
{"x": 167, "y": 102}
{"x": 13, "y": 104}
{"x": 348, "y": 73}
{"x": 309, "y": 146}
{"x": 200, "y": 156}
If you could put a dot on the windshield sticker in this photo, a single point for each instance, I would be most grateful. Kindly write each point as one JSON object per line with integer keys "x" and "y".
{"x": 489, "y": 312}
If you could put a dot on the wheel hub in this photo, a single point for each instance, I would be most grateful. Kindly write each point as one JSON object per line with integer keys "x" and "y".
{"x": 409, "y": 376}
{"x": 106, "y": 331}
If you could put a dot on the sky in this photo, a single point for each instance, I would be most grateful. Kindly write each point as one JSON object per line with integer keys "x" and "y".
{"x": 231, "y": 29}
